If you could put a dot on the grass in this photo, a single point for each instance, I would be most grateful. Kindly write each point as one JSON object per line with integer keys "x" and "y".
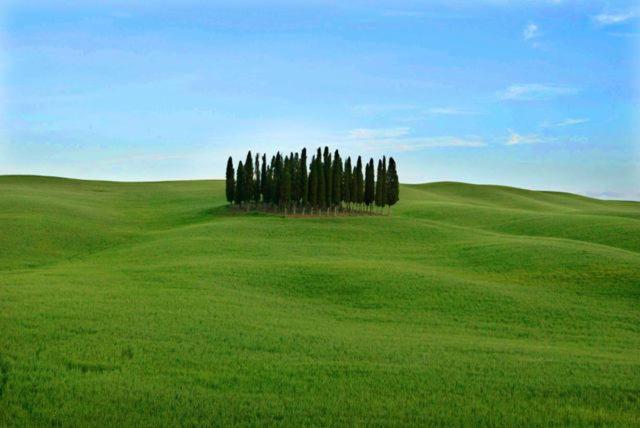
{"x": 152, "y": 304}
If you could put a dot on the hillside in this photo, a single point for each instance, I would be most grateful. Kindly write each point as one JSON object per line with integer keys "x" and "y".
{"x": 152, "y": 304}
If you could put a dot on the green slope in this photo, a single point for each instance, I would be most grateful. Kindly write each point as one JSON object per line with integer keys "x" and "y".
{"x": 151, "y": 304}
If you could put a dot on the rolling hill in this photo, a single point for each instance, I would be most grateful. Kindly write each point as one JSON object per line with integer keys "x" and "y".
{"x": 153, "y": 304}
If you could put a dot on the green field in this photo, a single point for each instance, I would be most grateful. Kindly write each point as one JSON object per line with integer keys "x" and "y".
{"x": 153, "y": 304}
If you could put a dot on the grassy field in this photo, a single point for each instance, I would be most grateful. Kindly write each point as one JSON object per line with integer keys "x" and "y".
{"x": 152, "y": 304}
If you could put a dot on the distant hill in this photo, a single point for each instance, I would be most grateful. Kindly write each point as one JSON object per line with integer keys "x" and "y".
{"x": 153, "y": 304}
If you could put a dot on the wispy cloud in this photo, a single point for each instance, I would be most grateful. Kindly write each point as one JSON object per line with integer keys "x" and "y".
{"x": 535, "y": 92}
{"x": 571, "y": 122}
{"x": 531, "y": 31}
{"x": 399, "y": 140}
{"x": 367, "y": 133}
{"x": 449, "y": 111}
{"x": 605, "y": 18}
{"x": 515, "y": 139}
{"x": 380, "y": 108}
{"x": 418, "y": 143}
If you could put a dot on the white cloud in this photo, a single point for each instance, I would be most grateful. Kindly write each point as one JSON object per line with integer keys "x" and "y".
{"x": 367, "y": 133}
{"x": 531, "y": 31}
{"x": 614, "y": 18}
{"x": 565, "y": 122}
{"x": 449, "y": 111}
{"x": 515, "y": 139}
{"x": 535, "y": 91}
{"x": 571, "y": 122}
{"x": 380, "y": 108}
{"x": 398, "y": 139}
{"x": 418, "y": 143}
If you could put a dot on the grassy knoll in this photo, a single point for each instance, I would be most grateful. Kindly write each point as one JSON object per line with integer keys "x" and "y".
{"x": 152, "y": 304}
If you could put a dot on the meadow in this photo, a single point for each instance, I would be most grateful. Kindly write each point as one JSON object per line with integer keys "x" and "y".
{"x": 153, "y": 304}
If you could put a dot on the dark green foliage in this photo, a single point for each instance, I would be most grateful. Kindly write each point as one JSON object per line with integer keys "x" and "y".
{"x": 328, "y": 177}
{"x": 277, "y": 179}
{"x": 257, "y": 185}
{"x": 377, "y": 199}
{"x": 346, "y": 181}
{"x": 383, "y": 187}
{"x": 230, "y": 181}
{"x": 248, "y": 178}
{"x": 369, "y": 184}
{"x": 324, "y": 183}
{"x": 304, "y": 179}
{"x": 285, "y": 183}
{"x": 359, "y": 181}
{"x": 313, "y": 183}
{"x": 336, "y": 171}
{"x": 263, "y": 180}
{"x": 392, "y": 184}
{"x": 295, "y": 179}
{"x": 240, "y": 185}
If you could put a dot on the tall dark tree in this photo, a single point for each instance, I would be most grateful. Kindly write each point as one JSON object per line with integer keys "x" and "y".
{"x": 383, "y": 198}
{"x": 230, "y": 182}
{"x": 328, "y": 177}
{"x": 240, "y": 186}
{"x": 346, "y": 182}
{"x": 277, "y": 179}
{"x": 379, "y": 185}
{"x": 369, "y": 184}
{"x": 322, "y": 184}
{"x": 257, "y": 184}
{"x": 271, "y": 180}
{"x": 336, "y": 171}
{"x": 359, "y": 181}
{"x": 248, "y": 179}
{"x": 304, "y": 180}
{"x": 313, "y": 183}
{"x": 263, "y": 179}
{"x": 393, "y": 185}
{"x": 326, "y": 182}
{"x": 285, "y": 184}
{"x": 295, "y": 180}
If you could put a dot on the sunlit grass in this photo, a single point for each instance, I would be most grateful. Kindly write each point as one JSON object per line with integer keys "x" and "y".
{"x": 153, "y": 304}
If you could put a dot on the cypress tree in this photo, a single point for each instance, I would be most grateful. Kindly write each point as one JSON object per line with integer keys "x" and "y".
{"x": 346, "y": 182}
{"x": 230, "y": 182}
{"x": 277, "y": 179}
{"x": 379, "y": 184}
{"x": 248, "y": 179}
{"x": 313, "y": 184}
{"x": 304, "y": 180}
{"x": 263, "y": 179}
{"x": 266, "y": 186}
{"x": 322, "y": 184}
{"x": 393, "y": 185}
{"x": 383, "y": 199}
{"x": 240, "y": 185}
{"x": 285, "y": 184}
{"x": 359, "y": 179}
{"x": 337, "y": 179}
{"x": 354, "y": 185}
{"x": 258, "y": 185}
{"x": 272, "y": 181}
{"x": 328, "y": 178}
{"x": 369, "y": 184}
{"x": 295, "y": 181}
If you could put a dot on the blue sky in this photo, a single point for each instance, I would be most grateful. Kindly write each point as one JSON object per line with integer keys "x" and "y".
{"x": 538, "y": 94}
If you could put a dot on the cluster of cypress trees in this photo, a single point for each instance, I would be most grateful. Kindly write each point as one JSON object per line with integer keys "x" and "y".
{"x": 326, "y": 184}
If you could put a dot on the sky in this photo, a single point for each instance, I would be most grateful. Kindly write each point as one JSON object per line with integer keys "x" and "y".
{"x": 536, "y": 94}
